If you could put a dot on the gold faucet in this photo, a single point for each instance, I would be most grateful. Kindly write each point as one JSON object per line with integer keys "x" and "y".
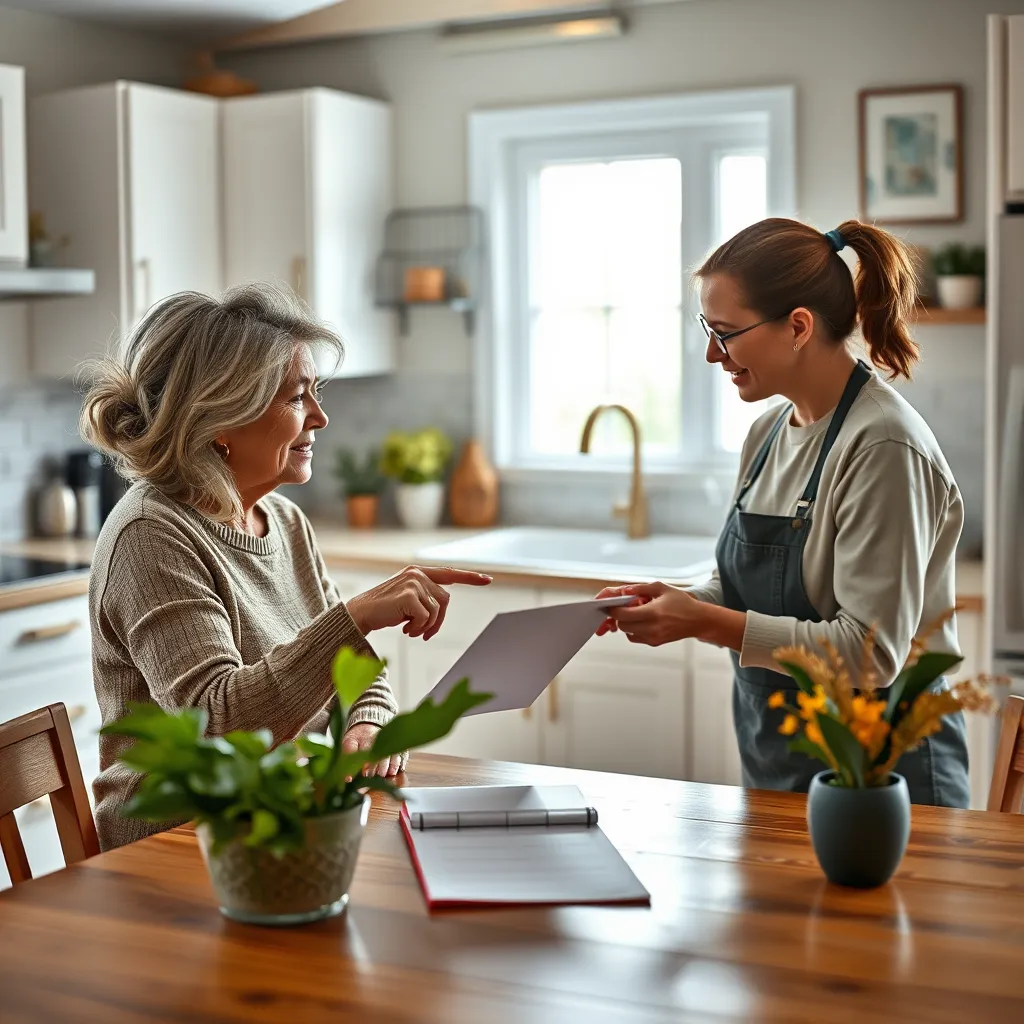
{"x": 635, "y": 511}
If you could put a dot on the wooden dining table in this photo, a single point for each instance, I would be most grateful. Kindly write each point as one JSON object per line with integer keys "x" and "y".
{"x": 742, "y": 926}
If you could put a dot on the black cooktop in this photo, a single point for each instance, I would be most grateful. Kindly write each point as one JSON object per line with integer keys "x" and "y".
{"x": 15, "y": 569}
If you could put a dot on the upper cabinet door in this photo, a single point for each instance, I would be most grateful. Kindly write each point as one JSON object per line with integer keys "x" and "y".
{"x": 173, "y": 175}
{"x": 353, "y": 192}
{"x": 266, "y": 191}
{"x": 307, "y": 186}
{"x": 13, "y": 198}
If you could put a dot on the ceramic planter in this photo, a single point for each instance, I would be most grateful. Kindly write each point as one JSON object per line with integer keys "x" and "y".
{"x": 959, "y": 291}
{"x": 859, "y": 835}
{"x": 420, "y": 505}
{"x": 361, "y": 511}
{"x": 255, "y": 887}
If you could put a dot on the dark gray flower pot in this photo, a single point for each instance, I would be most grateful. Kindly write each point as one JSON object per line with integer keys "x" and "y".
{"x": 859, "y": 835}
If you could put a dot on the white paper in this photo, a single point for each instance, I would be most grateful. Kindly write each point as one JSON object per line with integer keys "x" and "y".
{"x": 519, "y": 653}
{"x": 525, "y": 864}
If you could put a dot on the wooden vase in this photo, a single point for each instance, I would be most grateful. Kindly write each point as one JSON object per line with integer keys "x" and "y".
{"x": 361, "y": 511}
{"x": 473, "y": 500}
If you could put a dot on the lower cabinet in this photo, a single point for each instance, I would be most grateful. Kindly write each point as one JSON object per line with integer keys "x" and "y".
{"x": 970, "y": 627}
{"x": 714, "y": 755}
{"x": 615, "y": 707}
{"x": 46, "y": 658}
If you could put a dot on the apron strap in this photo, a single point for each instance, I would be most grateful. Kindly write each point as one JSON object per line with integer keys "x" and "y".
{"x": 860, "y": 376}
{"x": 762, "y": 455}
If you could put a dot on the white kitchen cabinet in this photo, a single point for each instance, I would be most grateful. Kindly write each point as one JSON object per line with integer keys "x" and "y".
{"x": 129, "y": 174}
{"x": 44, "y": 650}
{"x": 308, "y": 183}
{"x": 617, "y": 716}
{"x": 501, "y": 735}
{"x": 13, "y": 202}
{"x": 970, "y": 626}
{"x": 714, "y": 754}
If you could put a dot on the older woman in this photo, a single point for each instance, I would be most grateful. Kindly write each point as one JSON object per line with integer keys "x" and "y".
{"x": 208, "y": 589}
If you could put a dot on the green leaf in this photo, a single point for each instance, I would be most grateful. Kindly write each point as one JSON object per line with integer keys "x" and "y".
{"x": 264, "y": 827}
{"x": 166, "y": 801}
{"x": 250, "y": 744}
{"x": 425, "y": 723}
{"x": 848, "y": 753}
{"x": 802, "y": 679}
{"x": 802, "y": 745}
{"x": 346, "y": 766}
{"x": 147, "y": 757}
{"x": 150, "y": 722}
{"x": 353, "y": 675}
{"x": 913, "y": 681}
{"x": 321, "y": 755}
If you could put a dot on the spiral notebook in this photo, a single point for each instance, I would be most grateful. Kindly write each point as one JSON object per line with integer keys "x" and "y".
{"x": 478, "y": 845}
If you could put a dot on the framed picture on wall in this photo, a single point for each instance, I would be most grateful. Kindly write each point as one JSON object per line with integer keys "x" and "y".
{"x": 911, "y": 154}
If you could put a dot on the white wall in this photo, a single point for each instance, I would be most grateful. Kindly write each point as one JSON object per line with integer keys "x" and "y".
{"x": 828, "y": 48}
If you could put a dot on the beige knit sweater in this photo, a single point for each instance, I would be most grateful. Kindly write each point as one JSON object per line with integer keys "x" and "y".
{"x": 189, "y": 613}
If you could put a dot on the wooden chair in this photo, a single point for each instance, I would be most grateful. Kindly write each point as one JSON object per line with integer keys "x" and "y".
{"x": 38, "y": 758}
{"x": 1007, "y": 790}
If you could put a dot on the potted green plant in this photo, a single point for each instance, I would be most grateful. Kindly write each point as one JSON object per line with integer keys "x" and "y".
{"x": 417, "y": 463}
{"x": 362, "y": 482}
{"x": 959, "y": 275}
{"x": 861, "y": 734}
{"x": 279, "y": 826}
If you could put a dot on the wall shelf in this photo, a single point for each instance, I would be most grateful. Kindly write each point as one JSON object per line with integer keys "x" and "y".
{"x": 442, "y": 243}
{"x": 936, "y": 316}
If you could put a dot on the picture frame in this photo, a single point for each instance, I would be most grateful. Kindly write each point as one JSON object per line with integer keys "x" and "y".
{"x": 911, "y": 154}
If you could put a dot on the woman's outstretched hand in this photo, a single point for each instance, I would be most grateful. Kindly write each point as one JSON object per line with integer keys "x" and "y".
{"x": 361, "y": 737}
{"x": 415, "y": 596}
{"x": 660, "y": 615}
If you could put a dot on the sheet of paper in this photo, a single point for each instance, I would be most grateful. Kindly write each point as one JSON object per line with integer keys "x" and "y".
{"x": 519, "y": 653}
{"x": 525, "y": 864}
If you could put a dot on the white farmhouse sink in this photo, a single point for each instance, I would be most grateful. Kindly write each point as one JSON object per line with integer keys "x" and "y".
{"x": 599, "y": 554}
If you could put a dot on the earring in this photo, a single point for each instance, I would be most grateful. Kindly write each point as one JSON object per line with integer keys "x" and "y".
{"x": 222, "y": 450}
{"x": 796, "y": 348}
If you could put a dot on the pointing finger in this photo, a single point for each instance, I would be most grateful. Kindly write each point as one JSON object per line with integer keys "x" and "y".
{"x": 447, "y": 576}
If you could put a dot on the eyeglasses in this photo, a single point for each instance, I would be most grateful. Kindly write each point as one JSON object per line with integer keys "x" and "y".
{"x": 721, "y": 339}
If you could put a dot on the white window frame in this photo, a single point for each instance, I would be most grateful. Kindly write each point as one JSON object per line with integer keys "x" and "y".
{"x": 502, "y": 146}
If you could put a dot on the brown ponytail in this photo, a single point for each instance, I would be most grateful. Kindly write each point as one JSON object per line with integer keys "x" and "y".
{"x": 782, "y": 264}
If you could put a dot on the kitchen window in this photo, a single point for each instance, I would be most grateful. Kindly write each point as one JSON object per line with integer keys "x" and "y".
{"x": 598, "y": 214}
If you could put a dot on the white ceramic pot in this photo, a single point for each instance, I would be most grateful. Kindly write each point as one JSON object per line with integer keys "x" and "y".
{"x": 959, "y": 291}
{"x": 420, "y": 505}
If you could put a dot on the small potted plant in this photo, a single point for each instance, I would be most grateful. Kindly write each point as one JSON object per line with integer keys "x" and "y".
{"x": 417, "y": 462}
{"x": 362, "y": 482}
{"x": 861, "y": 734}
{"x": 959, "y": 275}
{"x": 279, "y": 826}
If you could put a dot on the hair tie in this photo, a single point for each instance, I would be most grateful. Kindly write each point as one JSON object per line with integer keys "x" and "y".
{"x": 835, "y": 239}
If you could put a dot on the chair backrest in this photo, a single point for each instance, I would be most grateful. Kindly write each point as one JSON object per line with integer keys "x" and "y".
{"x": 1007, "y": 790}
{"x": 38, "y": 758}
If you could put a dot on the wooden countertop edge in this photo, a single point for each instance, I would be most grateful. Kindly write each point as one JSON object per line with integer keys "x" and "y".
{"x": 43, "y": 593}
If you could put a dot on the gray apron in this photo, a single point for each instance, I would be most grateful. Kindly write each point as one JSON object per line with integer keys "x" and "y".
{"x": 760, "y": 564}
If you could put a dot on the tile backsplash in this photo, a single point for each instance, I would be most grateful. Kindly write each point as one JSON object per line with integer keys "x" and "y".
{"x": 38, "y": 427}
{"x": 39, "y": 424}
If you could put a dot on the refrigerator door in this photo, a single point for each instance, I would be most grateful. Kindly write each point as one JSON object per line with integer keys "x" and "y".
{"x": 1005, "y": 533}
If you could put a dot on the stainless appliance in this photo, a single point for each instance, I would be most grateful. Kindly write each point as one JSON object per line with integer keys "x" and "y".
{"x": 17, "y": 571}
{"x": 1004, "y": 428}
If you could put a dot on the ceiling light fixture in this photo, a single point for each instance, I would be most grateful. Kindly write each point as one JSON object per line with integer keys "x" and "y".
{"x": 478, "y": 38}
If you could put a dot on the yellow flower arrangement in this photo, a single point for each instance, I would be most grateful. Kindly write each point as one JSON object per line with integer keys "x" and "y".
{"x": 416, "y": 458}
{"x": 861, "y": 733}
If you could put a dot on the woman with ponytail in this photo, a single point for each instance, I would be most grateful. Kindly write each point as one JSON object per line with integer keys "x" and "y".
{"x": 846, "y": 516}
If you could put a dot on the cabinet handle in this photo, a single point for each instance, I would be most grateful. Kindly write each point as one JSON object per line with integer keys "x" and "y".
{"x": 553, "y": 700}
{"x": 146, "y": 291}
{"x": 35, "y": 636}
{"x": 75, "y": 712}
{"x": 299, "y": 277}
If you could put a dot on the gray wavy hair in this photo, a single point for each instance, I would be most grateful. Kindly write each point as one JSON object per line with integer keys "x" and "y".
{"x": 194, "y": 367}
